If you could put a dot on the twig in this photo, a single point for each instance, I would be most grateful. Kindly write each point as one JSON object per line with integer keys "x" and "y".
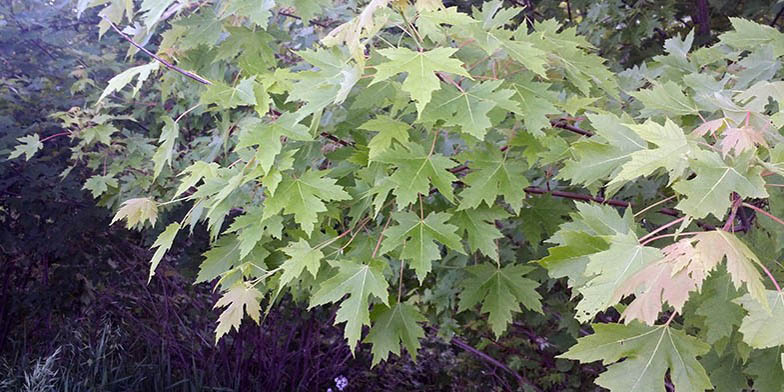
{"x": 778, "y": 15}
{"x": 763, "y": 212}
{"x": 160, "y": 60}
{"x": 661, "y": 228}
{"x": 54, "y": 136}
{"x": 313, "y": 22}
{"x": 561, "y": 123}
{"x": 520, "y": 379}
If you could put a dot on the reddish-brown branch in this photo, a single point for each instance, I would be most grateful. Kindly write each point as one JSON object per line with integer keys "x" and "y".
{"x": 54, "y": 136}
{"x": 763, "y": 212}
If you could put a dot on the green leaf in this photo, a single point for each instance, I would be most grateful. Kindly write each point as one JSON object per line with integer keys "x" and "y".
{"x": 672, "y": 152}
{"x": 535, "y": 102}
{"x": 163, "y": 243}
{"x": 418, "y": 238}
{"x": 257, "y": 13}
{"x": 420, "y": 67}
{"x": 388, "y": 130}
{"x": 267, "y": 136}
{"x": 163, "y": 154}
{"x": 648, "y": 354}
{"x": 99, "y": 184}
{"x": 748, "y": 35}
{"x": 137, "y": 211}
{"x": 238, "y": 300}
{"x": 228, "y": 97}
{"x": 304, "y": 197}
{"x": 301, "y": 257}
{"x": 28, "y": 146}
{"x": 119, "y": 81}
{"x": 224, "y": 253}
{"x": 415, "y": 170}
{"x": 101, "y": 133}
{"x": 478, "y": 225}
{"x": 761, "y": 328}
{"x": 666, "y": 98}
{"x": 493, "y": 175}
{"x": 602, "y": 155}
{"x": 359, "y": 281}
{"x": 709, "y": 192}
{"x": 393, "y": 326}
{"x": 501, "y": 291}
{"x": 469, "y": 109}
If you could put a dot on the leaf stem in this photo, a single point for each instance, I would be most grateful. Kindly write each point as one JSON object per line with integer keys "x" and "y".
{"x": 644, "y": 210}
{"x": 763, "y": 212}
{"x": 661, "y": 228}
{"x": 658, "y": 237}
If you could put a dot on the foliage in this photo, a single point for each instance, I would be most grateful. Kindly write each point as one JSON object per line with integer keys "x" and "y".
{"x": 394, "y": 156}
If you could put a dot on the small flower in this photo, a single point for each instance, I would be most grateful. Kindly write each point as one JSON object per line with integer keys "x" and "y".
{"x": 341, "y": 382}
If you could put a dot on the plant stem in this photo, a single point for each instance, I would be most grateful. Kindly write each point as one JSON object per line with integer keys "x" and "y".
{"x": 763, "y": 212}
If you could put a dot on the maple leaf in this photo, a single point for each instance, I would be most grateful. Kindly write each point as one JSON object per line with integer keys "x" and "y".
{"x": 99, "y": 184}
{"x": 535, "y": 103}
{"x": 609, "y": 269}
{"x": 330, "y": 82}
{"x": 119, "y": 81}
{"x": 163, "y": 154}
{"x": 493, "y": 175}
{"x": 195, "y": 173}
{"x": 501, "y": 291}
{"x": 647, "y": 354}
{"x": 747, "y": 35}
{"x": 301, "y": 257}
{"x": 420, "y": 67}
{"x": 359, "y": 281}
{"x": 721, "y": 315}
{"x": 393, "y": 326}
{"x": 761, "y": 328}
{"x": 415, "y": 170}
{"x": 659, "y": 284}
{"x": 354, "y": 32}
{"x": 478, "y": 225}
{"x": 388, "y": 129}
{"x": 709, "y": 192}
{"x": 666, "y": 98}
{"x": 304, "y": 197}
{"x": 257, "y": 13}
{"x": 603, "y": 154}
{"x": 252, "y": 226}
{"x": 163, "y": 243}
{"x": 468, "y": 109}
{"x": 137, "y": 211}
{"x": 671, "y": 154}
{"x": 418, "y": 238}
{"x": 682, "y": 270}
{"x": 741, "y": 139}
{"x": 541, "y": 216}
{"x": 28, "y": 145}
{"x": 267, "y": 136}
{"x": 238, "y": 300}
{"x": 228, "y": 97}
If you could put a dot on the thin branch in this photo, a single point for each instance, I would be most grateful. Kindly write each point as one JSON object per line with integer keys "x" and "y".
{"x": 54, "y": 136}
{"x": 653, "y": 205}
{"x": 561, "y": 123}
{"x": 313, "y": 22}
{"x": 763, "y": 212}
{"x": 778, "y": 15}
{"x": 662, "y": 227}
{"x": 167, "y": 64}
{"x": 467, "y": 347}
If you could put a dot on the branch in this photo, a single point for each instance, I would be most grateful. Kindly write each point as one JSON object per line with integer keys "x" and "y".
{"x": 561, "y": 123}
{"x": 160, "y": 60}
{"x": 763, "y": 212}
{"x": 313, "y": 22}
{"x": 465, "y": 346}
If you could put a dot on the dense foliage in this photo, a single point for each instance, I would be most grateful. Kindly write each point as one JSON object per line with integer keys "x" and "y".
{"x": 461, "y": 167}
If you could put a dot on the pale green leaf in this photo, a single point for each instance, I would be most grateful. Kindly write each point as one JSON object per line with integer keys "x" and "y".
{"x": 393, "y": 326}
{"x": 359, "y": 282}
{"x": 239, "y": 300}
